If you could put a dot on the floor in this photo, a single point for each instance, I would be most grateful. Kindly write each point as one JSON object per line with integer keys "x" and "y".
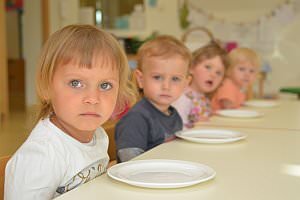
{"x": 15, "y": 129}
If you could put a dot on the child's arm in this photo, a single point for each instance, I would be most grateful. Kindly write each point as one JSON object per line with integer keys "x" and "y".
{"x": 128, "y": 153}
{"x": 131, "y": 135}
{"x": 226, "y": 96}
{"x": 226, "y": 104}
{"x": 31, "y": 173}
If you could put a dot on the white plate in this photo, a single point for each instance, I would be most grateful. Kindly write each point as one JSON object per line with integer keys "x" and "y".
{"x": 161, "y": 173}
{"x": 211, "y": 135}
{"x": 239, "y": 113}
{"x": 261, "y": 103}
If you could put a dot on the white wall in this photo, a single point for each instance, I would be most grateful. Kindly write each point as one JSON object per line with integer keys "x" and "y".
{"x": 285, "y": 68}
{"x": 62, "y": 13}
{"x": 164, "y": 19}
{"x": 286, "y": 65}
{"x": 32, "y": 42}
{"x": 13, "y": 48}
{"x": 32, "y": 34}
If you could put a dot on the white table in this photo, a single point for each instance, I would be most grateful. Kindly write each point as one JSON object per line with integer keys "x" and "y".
{"x": 285, "y": 116}
{"x": 264, "y": 166}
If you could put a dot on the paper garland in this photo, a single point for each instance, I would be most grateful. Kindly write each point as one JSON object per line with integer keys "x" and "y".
{"x": 260, "y": 34}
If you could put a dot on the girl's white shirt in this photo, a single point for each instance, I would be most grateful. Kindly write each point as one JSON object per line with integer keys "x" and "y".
{"x": 50, "y": 163}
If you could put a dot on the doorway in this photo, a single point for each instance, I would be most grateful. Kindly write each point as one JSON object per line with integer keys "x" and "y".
{"x": 15, "y": 60}
{"x": 4, "y": 110}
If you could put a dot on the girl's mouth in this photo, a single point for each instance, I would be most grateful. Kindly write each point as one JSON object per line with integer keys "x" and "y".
{"x": 90, "y": 114}
{"x": 209, "y": 83}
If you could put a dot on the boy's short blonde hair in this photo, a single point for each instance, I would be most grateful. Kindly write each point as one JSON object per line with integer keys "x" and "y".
{"x": 80, "y": 44}
{"x": 209, "y": 51}
{"x": 243, "y": 54}
{"x": 163, "y": 46}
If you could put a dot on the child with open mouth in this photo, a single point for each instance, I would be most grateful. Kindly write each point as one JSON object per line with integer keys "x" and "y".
{"x": 207, "y": 71}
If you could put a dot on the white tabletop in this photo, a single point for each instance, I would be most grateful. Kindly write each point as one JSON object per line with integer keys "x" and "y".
{"x": 266, "y": 165}
{"x": 285, "y": 116}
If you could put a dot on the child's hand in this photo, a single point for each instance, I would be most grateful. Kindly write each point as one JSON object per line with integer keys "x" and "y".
{"x": 226, "y": 104}
{"x": 200, "y": 119}
{"x": 204, "y": 119}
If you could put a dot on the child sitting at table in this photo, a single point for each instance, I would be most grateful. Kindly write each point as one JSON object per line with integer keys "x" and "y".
{"x": 162, "y": 74}
{"x": 81, "y": 77}
{"x": 207, "y": 72}
{"x": 243, "y": 68}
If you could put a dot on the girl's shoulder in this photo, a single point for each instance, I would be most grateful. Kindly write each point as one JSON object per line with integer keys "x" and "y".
{"x": 184, "y": 98}
{"x": 227, "y": 86}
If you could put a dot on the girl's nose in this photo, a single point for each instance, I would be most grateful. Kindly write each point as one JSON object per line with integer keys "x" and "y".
{"x": 248, "y": 73}
{"x": 213, "y": 74}
{"x": 92, "y": 97}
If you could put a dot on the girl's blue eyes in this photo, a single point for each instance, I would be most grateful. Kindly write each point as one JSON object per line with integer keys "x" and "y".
{"x": 78, "y": 84}
{"x": 105, "y": 86}
{"x": 210, "y": 68}
{"x": 244, "y": 69}
{"x": 220, "y": 73}
{"x": 75, "y": 84}
{"x": 175, "y": 79}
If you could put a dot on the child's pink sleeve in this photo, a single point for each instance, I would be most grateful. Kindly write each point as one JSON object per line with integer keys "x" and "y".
{"x": 183, "y": 107}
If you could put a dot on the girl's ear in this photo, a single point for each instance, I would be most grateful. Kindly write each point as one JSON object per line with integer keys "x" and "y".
{"x": 191, "y": 71}
{"x": 44, "y": 94}
{"x": 139, "y": 78}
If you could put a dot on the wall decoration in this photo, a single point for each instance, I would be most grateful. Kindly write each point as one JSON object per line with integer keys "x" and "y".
{"x": 152, "y": 3}
{"x": 183, "y": 15}
{"x": 259, "y": 34}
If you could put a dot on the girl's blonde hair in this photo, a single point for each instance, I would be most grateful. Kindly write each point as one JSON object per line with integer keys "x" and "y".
{"x": 209, "y": 51}
{"x": 243, "y": 54}
{"x": 80, "y": 43}
{"x": 164, "y": 46}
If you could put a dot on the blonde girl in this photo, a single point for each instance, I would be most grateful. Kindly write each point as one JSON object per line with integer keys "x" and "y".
{"x": 243, "y": 69}
{"x": 82, "y": 76}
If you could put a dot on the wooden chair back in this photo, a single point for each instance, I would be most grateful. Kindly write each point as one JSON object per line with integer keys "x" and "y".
{"x": 3, "y": 162}
{"x": 109, "y": 127}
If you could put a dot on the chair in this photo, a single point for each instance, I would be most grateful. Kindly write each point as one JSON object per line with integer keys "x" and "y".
{"x": 109, "y": 127}
{"x": 3, "y": 162}
{"x": 291, "y": 90}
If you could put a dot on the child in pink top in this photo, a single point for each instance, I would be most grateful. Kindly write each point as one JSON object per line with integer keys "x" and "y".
{"x": 207, "y": 71}
{"x": 243, "y": 68}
